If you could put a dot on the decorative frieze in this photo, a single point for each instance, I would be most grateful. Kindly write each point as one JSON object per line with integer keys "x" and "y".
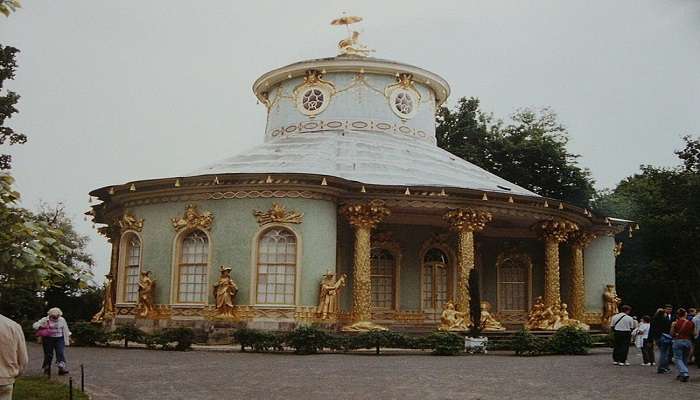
{"x": 193, "y": 219}
{"x": 278, "y": 214}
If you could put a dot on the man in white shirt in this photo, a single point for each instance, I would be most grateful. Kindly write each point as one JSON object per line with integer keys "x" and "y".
{"x": 13, "y": 355}
{"x": 622, "y": 326}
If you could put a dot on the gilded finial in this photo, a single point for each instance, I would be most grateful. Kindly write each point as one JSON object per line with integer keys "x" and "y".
{"x": 351, "y": 45}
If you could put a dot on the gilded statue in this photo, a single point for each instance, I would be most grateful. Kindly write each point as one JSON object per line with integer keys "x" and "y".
{"x": 452, "y": 320}
{"x": 224, "y": 292}
{"x": 351, "y": 45}
{"x": 610, "y": 305}
{"x": 107, "y": 310}
{"x": 328, "y": 295}
{"x": 147, "y": 288}
{"x": 551, "y": 318}
{"x": 488, "y": 321}
{"x": 193, "y": 219}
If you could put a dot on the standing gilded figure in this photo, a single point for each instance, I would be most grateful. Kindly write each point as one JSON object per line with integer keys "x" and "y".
{"x": 147, "y": 288}
{"x": 610, "y": 305}
{"x": 328, "y": 295}
{"x": 224, "y": 292}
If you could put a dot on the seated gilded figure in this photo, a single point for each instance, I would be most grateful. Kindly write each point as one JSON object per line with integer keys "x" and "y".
{"x": 452, "y": 320}
{"x": 551, "y": 318}
{"x": 488, "y": 321}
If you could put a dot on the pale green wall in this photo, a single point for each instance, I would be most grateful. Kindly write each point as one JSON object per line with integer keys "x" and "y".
{"x": 232, "y": 239}
{"x": 599, "y": 270}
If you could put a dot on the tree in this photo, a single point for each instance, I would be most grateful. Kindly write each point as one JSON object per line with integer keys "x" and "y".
{"x": 530, "y": 151}
{"x": 9, "y": 6}
{"x": 690, "y": 154}
{"x": 35, "y": 254}
{"x": 659, "y": 264}
{"x": 7, "y": 103}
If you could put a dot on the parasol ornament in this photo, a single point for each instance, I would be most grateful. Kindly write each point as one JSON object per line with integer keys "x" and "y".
{"x": 351, "y": 45}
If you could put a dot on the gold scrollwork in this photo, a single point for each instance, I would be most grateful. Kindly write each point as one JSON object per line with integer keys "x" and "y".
{"x": 129, "y": 222}
{"x": 193, "y": 219}
{"x": 278, "y": 213}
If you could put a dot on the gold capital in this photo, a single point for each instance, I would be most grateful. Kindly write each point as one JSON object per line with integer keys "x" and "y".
{"x": 366, "y": 215}
{"x": 467, "y": 219}
{"x": 556, "y": 230}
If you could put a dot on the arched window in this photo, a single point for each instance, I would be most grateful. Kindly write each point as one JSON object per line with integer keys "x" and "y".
{"x": 192, "y": 268}
{"x": 435, "y": 279}
{"x": 383, "y": 268}
{"x": 132, "y": 267}
{"x": 513, "y": 283}
{"x": 277, "y": 264}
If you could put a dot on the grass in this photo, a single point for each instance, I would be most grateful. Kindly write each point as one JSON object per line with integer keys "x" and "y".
{"x": 41, "y": 388}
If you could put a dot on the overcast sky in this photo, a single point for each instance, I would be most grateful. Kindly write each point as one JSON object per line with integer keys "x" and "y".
{"x": 115, "y": 91}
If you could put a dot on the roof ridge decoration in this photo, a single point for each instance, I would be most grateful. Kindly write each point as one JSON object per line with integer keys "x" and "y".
{"x": 351, "y": 45}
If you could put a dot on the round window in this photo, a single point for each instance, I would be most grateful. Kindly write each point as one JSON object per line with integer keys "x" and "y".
{"x": 404, "y": 103}
{"x": 313, "y": 100}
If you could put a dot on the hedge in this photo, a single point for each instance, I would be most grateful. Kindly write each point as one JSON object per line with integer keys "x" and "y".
{"x": 89, "y": 334}
{"x": 567, "y": 340}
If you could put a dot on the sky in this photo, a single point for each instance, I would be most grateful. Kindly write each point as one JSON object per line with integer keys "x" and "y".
{"x": 114, "y": 91}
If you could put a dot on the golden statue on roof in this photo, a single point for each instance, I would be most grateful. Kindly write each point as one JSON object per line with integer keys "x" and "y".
{"x": 351, "y": 45}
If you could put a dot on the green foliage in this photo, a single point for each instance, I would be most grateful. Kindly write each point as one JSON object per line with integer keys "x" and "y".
{"x": 659, "y": 264}
{"x": 128, "y": 333}
{"x": 378, "y": 339}
{"x": 446, "y": 343}
{"x": 530, "y": 151}
{"x": 258, "y": 341}
{"x": 8, "y": 99}
{"x": 525, "y": 343}
{"x": 306, "y": 340}
{"x": 477, "y": 325}
{"x": 182, "y": 336}
{"x": 41, "y": 388}
{"x": 570, "y": 341}
{"x": 87, "y": 334}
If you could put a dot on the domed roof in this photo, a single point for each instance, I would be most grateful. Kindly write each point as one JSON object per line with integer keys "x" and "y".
{"x": 366, "y": 157}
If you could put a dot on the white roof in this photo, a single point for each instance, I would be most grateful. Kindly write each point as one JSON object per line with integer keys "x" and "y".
{"x": 371, "y": 158}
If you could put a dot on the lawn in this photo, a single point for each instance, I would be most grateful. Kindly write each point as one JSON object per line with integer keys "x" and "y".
{"x": 41, "y": 388}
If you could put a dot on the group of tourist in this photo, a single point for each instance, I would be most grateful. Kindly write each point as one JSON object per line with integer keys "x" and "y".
{"x": 676, "y": 336}
{"x": 55, "y": 336}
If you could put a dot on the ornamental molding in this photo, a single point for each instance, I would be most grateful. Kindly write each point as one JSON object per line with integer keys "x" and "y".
{"x": 234, "y": 194}
{"x": 278, "y": 214}
{"x": 365, "y": 215}
{"x": 365, "y": 125}
{"x": 193, "y": 219}
{"x": 467, "y": 219}
{"x": 129, "y": 222}
{"x": 557, "y": 230}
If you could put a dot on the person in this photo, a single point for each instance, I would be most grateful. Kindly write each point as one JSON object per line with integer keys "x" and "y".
{"x": 682, "y": 331}
{"x": 696, "y": 323}
{"x": 692, "y": 359}
{"x": 13, "y": 355}
{"x": 659, "y": 332}
{"x": 644, "y": 343}
{"x": 57, "y": 340}
{"x": 621, "y": 324}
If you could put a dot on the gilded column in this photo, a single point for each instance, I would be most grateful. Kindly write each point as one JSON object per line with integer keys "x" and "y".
{"x": 579, "y": 241}
{"x": 363, "y": 217}
{"x": 465, "y": 222}
{"x": 553, "y": 232}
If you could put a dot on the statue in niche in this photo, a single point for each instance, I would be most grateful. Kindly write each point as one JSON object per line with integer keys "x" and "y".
{"x": 107, "y": 310}
{"x": 488, "y": 321}
{"x": 224, "y": 292}
{"x": 452, "y": 320}
{"x": 328, "y": 295}
{"x": 610, "y": 305}
{"x": 147, "y": 288}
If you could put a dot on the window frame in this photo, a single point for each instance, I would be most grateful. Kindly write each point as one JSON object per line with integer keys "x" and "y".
{"x": 122, "y": 267}
{"x": 522, "y": 259}
{"x": 433, "y": 264}
{"x": 395, "y": 252}
{"x": 254, "y": 266}
{"x": 175, "y": 276}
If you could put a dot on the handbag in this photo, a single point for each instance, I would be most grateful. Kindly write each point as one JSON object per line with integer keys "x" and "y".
{"x": 44, "y": 331}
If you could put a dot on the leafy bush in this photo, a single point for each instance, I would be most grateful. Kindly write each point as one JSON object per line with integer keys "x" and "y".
{"x": 378, "y": 339}
{"x": 258, "y": 341}
{"x": 128, "y": 333}
{"x": 306, "y": 340}
{"x": 571, "y": 341}
{"x": 182, "y": 336}
{"x": 87, "y": 334}
{"x": 525, "y": 343}
{"x": 156, "y": 339}
{"x": 340, "y": 343}
{"x": 446, "y": 343}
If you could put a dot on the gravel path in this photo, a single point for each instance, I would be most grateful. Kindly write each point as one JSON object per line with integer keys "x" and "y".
{"x": 113, "y": 373}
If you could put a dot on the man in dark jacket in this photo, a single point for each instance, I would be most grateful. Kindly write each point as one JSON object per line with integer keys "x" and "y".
{"x": 659, "y": 332}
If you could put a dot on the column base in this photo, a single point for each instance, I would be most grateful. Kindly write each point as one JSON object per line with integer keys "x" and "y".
{"x": 363, "y": 326}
